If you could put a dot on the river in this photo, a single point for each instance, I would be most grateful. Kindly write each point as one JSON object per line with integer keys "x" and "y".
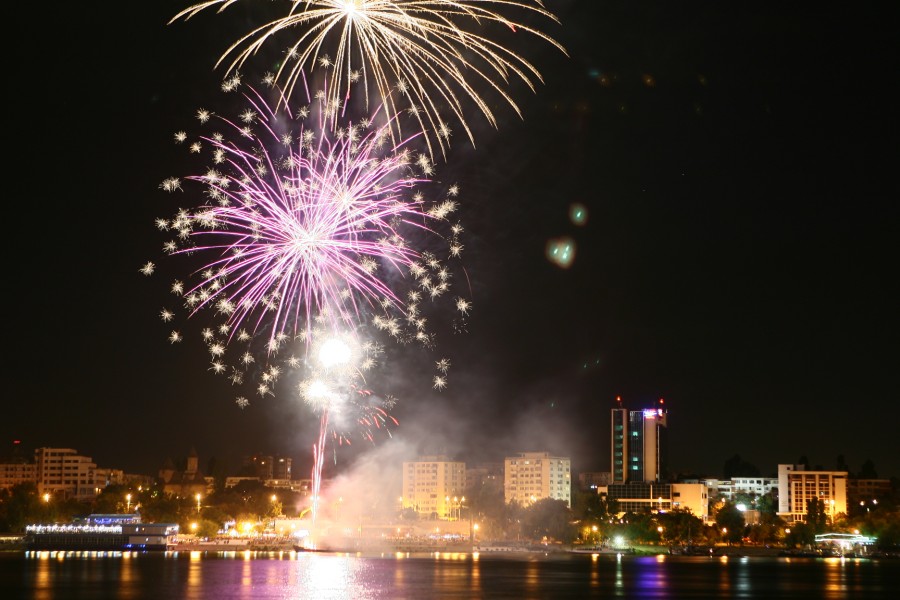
{"x": 522, "y": 576}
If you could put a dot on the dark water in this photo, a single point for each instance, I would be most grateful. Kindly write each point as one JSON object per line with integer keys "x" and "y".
{"x": 248, "y": 575}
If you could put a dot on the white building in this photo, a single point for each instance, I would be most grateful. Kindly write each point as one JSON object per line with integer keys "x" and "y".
{"x": 62, "y": 471}
{"x": 729, "y": 489}
{"x": 796, "y": 487}
{"x": 434, "y": 486}
{"x": 532, "y": 476}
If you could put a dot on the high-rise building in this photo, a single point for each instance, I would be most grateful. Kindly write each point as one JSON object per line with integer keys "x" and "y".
{"x": 434, "y": 486}
{"x": 533, "y": 476}
{"x": 281, "y": 467}
{"x": 260, "y": 465}
{"x": 639, "y": 450}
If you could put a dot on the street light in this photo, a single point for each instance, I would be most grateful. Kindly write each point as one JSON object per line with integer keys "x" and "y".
{"x": 198, "y": 496}
{"x": 127, "y": 502}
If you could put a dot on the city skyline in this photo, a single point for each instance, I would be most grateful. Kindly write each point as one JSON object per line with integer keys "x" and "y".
{"x": 737, "y": 256}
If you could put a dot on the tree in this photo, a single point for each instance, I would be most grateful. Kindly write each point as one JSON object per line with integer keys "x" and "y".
{"x": 161, "y": 508}
{"x": 207, "y": 528}
{"x": 640, "y": 528}
{"x": 489, "y": 509}
{"x": 588, "y": 506}
{"x": 768, "y": 528}
{"x": 738, "y": 467}
{"x": 20, "y": 506}
{"x": 816, "y": 517}
{"x": 680, "y": 526}
{"x": 801, "y": 534}
{"x": 111, "y": 500}
{"x": 842, "y": 464}
{"x": 549, "y": 518}
{"x": 767, "y": 504}
{"x": 731, "y": 521}
{"x": 868, "y": 470}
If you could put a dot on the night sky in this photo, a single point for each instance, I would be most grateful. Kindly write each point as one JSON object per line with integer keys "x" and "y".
{"x": 738, "y": 163}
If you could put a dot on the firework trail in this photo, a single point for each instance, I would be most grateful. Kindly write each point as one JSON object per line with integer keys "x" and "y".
{"x": 333, "y": 391}
{"x": 423, "y": 58}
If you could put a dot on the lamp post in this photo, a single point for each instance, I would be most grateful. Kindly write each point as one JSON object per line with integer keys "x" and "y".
{"x": 127, "y": 502}
{"x": 198, "y": 496}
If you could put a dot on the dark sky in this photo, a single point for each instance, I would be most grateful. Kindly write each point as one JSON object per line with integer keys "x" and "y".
{"x": 738, "y": 163}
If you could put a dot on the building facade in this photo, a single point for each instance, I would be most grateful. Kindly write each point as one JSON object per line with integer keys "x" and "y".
{"x": 532, "y": 476}
{"x": 594, "y": 480}
{"x": 653, "y": 497}
{"x": 267, "y": 466}
{"x": 730, "y": 489}
{"x": 796, "y": 487}
{"x": 863, "y": 495}
{"x": 639, "y": 439}
{"x": 434, "y": 486}
{"x": 63, "y": 472}
{"x": 14, "y": 473}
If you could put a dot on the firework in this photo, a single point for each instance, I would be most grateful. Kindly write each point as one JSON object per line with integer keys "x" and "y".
{"x": 299, "y": 226}
{"x": 424, "y": 58}
{"x": 307, "y": 249}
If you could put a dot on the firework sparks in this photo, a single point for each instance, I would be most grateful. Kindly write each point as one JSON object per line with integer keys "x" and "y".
{"x": 422, "y": 58}
{"x": 313, "y": 228}
{"x": 304, "y": 236}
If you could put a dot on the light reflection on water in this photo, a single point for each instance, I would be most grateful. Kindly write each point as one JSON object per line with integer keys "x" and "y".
{"x": 289, "y": 575}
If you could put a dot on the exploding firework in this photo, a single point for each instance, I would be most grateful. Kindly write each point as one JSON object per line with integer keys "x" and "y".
{"x": 304, "y": 235}
{"x": 301, "y": 226}
{"x": 423, "y": 58}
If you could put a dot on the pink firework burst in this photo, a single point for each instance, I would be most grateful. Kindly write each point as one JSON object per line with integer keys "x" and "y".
{"x": 303, "y": 223}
